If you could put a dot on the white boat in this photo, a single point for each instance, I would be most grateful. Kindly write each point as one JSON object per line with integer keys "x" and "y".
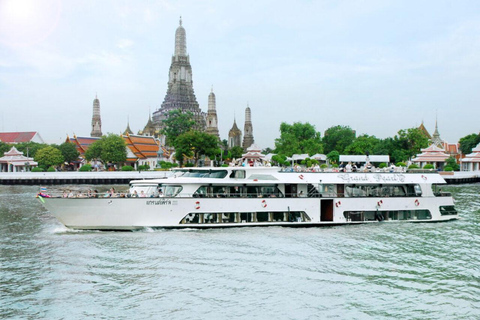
{"x": 260, "y": 196}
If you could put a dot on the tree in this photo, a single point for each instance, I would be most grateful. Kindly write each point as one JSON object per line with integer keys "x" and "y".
{"x": 267, "y": 150}
{"x": 297, "y": 139}
{"x": 452, "y": 163}
{"x": 110, "y": 148}
{"x": 410, "y": 142}
{"x": 30, "y": 148}
{"x": 333, "y": 157}
{"x": 177, "y": 123}
{"x": 69, "y": 151}
{"x": 4, "y": 148}
{"x": 49, "y": 156}
{"x": 338, "y": 138}
{"x": 469, "y": 142}
{"x": 236, "y": 152}
{"x": 194, "y": 144}
{"x": 362, "y": 145}
{"x": 94, "y": 151}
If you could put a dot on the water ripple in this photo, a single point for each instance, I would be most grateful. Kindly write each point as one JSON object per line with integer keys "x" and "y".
{"x": 406, "y": 271}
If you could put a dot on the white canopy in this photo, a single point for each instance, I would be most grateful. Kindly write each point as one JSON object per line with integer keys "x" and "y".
{"x": 364, "y": 158}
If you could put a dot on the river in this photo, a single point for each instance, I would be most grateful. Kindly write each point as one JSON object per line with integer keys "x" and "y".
{"x": 384, "y": 271}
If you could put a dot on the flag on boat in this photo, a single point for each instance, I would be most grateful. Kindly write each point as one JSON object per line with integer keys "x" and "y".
{"x": 43, "y": 189}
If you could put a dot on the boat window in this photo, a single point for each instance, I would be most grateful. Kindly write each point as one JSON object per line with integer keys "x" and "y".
{"x": 215, "y": 174}
{"x": 448, "y": 210}
{"x": 327, "y": 190}
{"x": 237, "y": 174}
{"x": 144, "y": 190}
{"x": 420, "y": 214}
{"x": 172, "y": 190}
{"x": 245, "y": 217}
{"x": 356, "y": 190}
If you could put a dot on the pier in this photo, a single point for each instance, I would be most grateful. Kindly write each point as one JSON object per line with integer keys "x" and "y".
{"x": 53, "y": 178}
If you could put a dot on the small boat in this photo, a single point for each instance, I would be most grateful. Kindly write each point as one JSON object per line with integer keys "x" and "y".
{"x": 260, "y": 196}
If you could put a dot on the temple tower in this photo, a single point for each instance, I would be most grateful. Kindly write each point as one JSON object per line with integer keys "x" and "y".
{"x": 180, "y": 93}
{"x": 212, "y": 121}
{"x": 234, "y": 136}
{"x": 248, "y": 129}
{"x": 436, "y": 140}
{"x": 96, "y": 120}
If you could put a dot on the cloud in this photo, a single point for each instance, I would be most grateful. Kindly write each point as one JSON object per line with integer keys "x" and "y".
{"x": 124, "y": 43}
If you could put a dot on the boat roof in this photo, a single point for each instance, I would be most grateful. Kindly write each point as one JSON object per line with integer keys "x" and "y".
{"x": 273, "y": 175}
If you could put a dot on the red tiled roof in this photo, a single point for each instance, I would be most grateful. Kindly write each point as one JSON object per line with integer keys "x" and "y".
{"x": 142, "y": 146}
{"x": 16, "y": 137}
{"x": 82, "y": 143}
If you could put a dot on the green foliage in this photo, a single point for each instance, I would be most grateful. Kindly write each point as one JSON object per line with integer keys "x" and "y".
{"x": 280, "y": 160}
{"x": 51, "y": 169}
{"x": 165, "y": 164}
{"x": 362, "y": 145}
{"x": 85, "y": 168}
{"x": 144, "y": 167}
{"x": 30, "y": 148}
{"x": 333, "y": 156}
{"x": 49, "y": 156}
{"x": 428, "y": 166}
{"x": 38, "y": 169}
{"x": 469, "y": 142}
{"x": 413, "y": 166}
{"x": 298, "y": 138}
{"x": 4, "y": 148}
{"x": 401, "y": 164}
{"x": 224, "y": 165}
{"x": 68, "y": 151}
{"x": 338, "y": 138}
{"x": 189, "y": 164}
{"x": 94, "y": 151}
{"x": 267, "y": 151}
{"x": 236, "y": 152}
{"x": 127, "y": 168}
{"x": 323, "y": 166}
{"x": 447, "y": 168}
{"x": 410, "y": 142}
{"x": 194, "y": 144}
{"x": 110, "y": 148}
{"x": 382, "y": 165}
{"x": 452, "y": 163}
{"x": 176, "y": 124}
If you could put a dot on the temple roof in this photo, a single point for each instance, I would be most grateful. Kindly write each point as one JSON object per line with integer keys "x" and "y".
{"x": 16, "y": 158}
{"x": 142, "y": 146}
{"x": 17, "y": 137}
{"x": 432, "y": 154}
{"x": 82, "y": 143}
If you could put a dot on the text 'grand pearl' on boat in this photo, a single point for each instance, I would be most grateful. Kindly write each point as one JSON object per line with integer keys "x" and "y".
{"x": 260, "y": 196}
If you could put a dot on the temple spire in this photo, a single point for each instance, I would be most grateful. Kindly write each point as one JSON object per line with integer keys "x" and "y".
{"x": 180, "y": 41}
{"x": 96, "y": 119}
{"x": 248, "y": 129}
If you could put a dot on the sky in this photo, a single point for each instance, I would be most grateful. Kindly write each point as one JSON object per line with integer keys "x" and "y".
{"x": 378, "y": 66}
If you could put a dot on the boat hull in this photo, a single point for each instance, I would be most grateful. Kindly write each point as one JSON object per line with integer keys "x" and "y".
{"x": 138, "y": 213}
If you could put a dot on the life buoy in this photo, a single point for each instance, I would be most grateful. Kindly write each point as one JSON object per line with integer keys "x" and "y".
{"x": 264, "y": 203}
{"x": 301, "y": 176}
{"x": 417, "y": 203}
{"x": 197, "y": 205}
{"x": 424, "y": 177}
{"x": 338, "y": 204}
{"x": 379, "y": 203}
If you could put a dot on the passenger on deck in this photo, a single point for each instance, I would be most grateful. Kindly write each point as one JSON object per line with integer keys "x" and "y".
{"x": 348, "y": 167}
{"x": 142, "y": 194}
